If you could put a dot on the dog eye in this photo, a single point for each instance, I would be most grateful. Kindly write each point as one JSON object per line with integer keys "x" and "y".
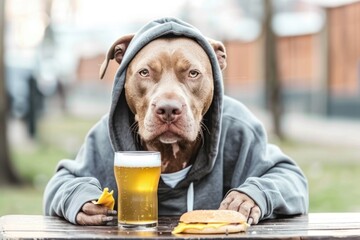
{"x": 193, "y": 73}
{"x": 144, "y": 73}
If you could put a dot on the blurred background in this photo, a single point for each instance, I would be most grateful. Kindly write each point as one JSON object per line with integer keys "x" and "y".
{"x": 294, "y": 63}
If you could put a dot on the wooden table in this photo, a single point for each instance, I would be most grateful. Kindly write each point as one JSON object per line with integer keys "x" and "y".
{"x": 312, "y": 226}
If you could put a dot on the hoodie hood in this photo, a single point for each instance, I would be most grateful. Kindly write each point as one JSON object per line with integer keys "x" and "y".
{"x": 121, "y": 119}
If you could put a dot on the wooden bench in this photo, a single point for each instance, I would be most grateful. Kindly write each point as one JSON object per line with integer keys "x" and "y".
{"x": 312, "y": 226}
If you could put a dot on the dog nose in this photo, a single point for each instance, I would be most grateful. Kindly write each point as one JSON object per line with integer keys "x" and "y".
{"x": 168, "y": 111}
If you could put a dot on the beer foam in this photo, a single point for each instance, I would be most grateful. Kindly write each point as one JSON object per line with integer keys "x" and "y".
{"x": 137, "y": 159}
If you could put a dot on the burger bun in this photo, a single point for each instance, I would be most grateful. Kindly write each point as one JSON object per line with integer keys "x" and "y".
{"x": 212, "y": 216}
{"x": 230, "y": 228}
{"x": 211, "y": 222}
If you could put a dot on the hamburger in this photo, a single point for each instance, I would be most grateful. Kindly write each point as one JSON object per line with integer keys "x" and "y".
{"x": 211, "y": 221}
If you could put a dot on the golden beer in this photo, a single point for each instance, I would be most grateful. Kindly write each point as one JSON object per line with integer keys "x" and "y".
{"x": 137, "y": 176}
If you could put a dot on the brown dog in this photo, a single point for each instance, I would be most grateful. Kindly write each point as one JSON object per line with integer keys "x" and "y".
{"x": 169, "y": 87}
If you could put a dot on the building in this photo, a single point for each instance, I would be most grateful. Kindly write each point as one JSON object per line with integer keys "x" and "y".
{"x": 318, "y": 61}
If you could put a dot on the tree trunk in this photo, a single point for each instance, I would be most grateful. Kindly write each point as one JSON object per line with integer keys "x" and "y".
{"x": 7, "y": 172}
{"x": 273, "y": 83}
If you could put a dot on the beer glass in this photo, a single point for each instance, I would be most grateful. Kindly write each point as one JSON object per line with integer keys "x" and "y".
{"x": 137, "y": 176}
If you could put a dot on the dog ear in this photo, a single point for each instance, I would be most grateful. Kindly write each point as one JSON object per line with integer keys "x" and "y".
{"x": 117, "y": 51}
{"x": 220, "y": 51}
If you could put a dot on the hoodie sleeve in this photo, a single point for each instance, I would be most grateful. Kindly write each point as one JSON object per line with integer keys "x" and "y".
{"x": 263, "y": 172}
{"x": 280, "y": 188}
{"x": 81, "y": 180}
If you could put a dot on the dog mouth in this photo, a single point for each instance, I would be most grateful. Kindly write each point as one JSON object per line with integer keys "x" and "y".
{"x": 153, "y": 130}
{"x": 169, "y": 137}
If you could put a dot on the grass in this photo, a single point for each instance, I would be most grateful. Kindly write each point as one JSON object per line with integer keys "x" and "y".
{"x": 333, "y": 172}
{"x": 35, "y": 161}
{"x": 58, "y": 138}
{"x": 20, "y": 200}
{"x": 334, "y": 187}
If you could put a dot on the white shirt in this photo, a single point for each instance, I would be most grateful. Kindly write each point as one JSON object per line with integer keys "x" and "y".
{"x": 171, "y": 179}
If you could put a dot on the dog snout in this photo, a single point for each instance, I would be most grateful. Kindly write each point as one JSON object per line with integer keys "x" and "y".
{"x": 168, "y": 111}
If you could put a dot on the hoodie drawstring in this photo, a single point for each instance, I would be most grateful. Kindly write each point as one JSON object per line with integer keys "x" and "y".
{"x": 190, "y": 197}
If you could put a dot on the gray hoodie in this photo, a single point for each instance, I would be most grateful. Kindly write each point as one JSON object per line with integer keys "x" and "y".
{"x": 234, "y": 155}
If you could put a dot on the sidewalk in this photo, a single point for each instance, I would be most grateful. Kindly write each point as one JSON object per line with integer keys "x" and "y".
{"x": 317, "y": 129}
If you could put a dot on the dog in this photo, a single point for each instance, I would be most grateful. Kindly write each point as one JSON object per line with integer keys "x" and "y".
{"x": 168, "y": 97}
{"x": 169, "y": 89}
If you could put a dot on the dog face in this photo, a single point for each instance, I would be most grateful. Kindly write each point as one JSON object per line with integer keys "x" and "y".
{"x": 169, "y": 87}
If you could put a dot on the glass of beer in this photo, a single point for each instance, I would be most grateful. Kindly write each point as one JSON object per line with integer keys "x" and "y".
{"x": 137, "y": 176}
